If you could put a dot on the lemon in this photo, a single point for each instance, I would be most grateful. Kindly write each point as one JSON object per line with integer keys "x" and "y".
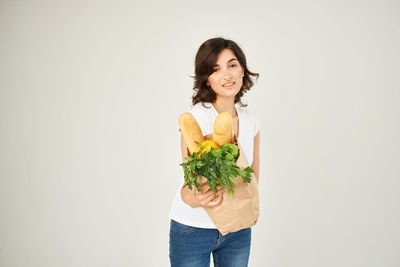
{"x": 207, "y": 145}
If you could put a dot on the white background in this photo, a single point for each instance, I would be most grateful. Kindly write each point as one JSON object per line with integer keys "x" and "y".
{"x": 90, "y": 93}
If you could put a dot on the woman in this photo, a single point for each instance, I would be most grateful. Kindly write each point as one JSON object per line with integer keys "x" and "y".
{"x": 221, "y": 79}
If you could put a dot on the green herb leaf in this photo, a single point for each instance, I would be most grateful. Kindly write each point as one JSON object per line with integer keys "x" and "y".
{"x": 218, "y": 166}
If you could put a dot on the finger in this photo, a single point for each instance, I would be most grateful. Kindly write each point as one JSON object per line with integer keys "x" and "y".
{"x": 216, "y": 201}
{"x": 220, "y": 192}
{"x": 205, "y": 188}
{"x": 221, "y": 189}
{"x": 206, "y": 196}
{"x": 204, "y": 202}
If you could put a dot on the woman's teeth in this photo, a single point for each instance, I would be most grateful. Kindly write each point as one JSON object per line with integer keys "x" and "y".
{"x": 228, "y": 84}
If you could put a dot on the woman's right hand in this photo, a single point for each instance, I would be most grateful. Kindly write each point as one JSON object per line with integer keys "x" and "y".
{"x": 206, "y": 198}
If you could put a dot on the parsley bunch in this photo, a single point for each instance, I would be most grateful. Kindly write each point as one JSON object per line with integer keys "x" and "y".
{"x": 218, "y": 166}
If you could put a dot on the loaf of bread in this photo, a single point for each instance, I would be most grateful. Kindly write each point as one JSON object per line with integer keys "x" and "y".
{"x": 222, "y": 129}
{"x": 191, "y": 131}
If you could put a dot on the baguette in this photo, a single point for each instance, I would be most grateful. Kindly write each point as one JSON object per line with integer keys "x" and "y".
{"x": 191, "y": 131}
{"x": 223, "y": 130}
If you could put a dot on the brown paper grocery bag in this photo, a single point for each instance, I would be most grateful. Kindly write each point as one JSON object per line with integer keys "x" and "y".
{"x": 241, "y": 210}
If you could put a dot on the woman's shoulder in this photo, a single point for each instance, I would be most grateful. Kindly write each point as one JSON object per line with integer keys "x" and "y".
{"x": 201, "y": 109}
{"x": 244, "y": 111}
{"x": 204, "y": 106}
{"x": 251, "y": 119}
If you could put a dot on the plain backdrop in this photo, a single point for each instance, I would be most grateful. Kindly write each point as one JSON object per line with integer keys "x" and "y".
{"x": 90, "y": 93}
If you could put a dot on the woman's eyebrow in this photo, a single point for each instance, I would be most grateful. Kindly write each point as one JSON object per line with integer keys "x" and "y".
{"x": 232, "y": 59}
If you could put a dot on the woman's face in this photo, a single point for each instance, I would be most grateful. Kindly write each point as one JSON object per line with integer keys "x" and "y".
{"x": 227, "y": 78}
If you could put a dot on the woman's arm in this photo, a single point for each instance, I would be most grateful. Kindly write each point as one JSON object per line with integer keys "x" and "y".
{"x": 206, "y": 197}
{"x": 256, "y": 156}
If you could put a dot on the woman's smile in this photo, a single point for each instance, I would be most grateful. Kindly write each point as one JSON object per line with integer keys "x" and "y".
{"x": 228, "y": 85}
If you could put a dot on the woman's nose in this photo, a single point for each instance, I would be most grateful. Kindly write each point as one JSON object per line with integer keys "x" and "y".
{"x": 227, "y": 74}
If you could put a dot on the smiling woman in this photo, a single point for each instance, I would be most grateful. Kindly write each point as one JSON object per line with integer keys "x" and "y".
{"x": 221, "y": 79}
{"x": 213, "y": 57}
{"x": 226, "y": 79}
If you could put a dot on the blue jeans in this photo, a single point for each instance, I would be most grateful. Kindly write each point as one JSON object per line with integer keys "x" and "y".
{"x": 191, "y": 247}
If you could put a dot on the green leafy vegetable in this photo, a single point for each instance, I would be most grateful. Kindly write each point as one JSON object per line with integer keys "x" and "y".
{"x": 218, "y": 166}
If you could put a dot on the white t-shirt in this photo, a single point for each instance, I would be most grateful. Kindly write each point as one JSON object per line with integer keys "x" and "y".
{"x": 248, "y": 128}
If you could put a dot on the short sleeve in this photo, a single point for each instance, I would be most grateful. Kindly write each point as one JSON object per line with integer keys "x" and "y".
{"x": 256, "y": 126}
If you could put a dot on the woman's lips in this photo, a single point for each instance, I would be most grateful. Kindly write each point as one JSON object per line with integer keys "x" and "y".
{"x": 228, "y": 85}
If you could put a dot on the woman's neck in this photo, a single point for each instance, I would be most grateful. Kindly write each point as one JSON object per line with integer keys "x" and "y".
{"x": 225, "y": 106}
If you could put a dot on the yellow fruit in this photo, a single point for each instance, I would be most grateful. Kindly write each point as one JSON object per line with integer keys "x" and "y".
{"x": 207, "y": 145}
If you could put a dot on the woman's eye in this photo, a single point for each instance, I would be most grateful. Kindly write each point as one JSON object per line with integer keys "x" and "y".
{"x": 233, "y": 65}
{"x": 215, "y": 70}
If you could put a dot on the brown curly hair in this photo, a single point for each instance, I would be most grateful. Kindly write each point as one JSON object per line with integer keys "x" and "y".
{"x": 205, "y": 59}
